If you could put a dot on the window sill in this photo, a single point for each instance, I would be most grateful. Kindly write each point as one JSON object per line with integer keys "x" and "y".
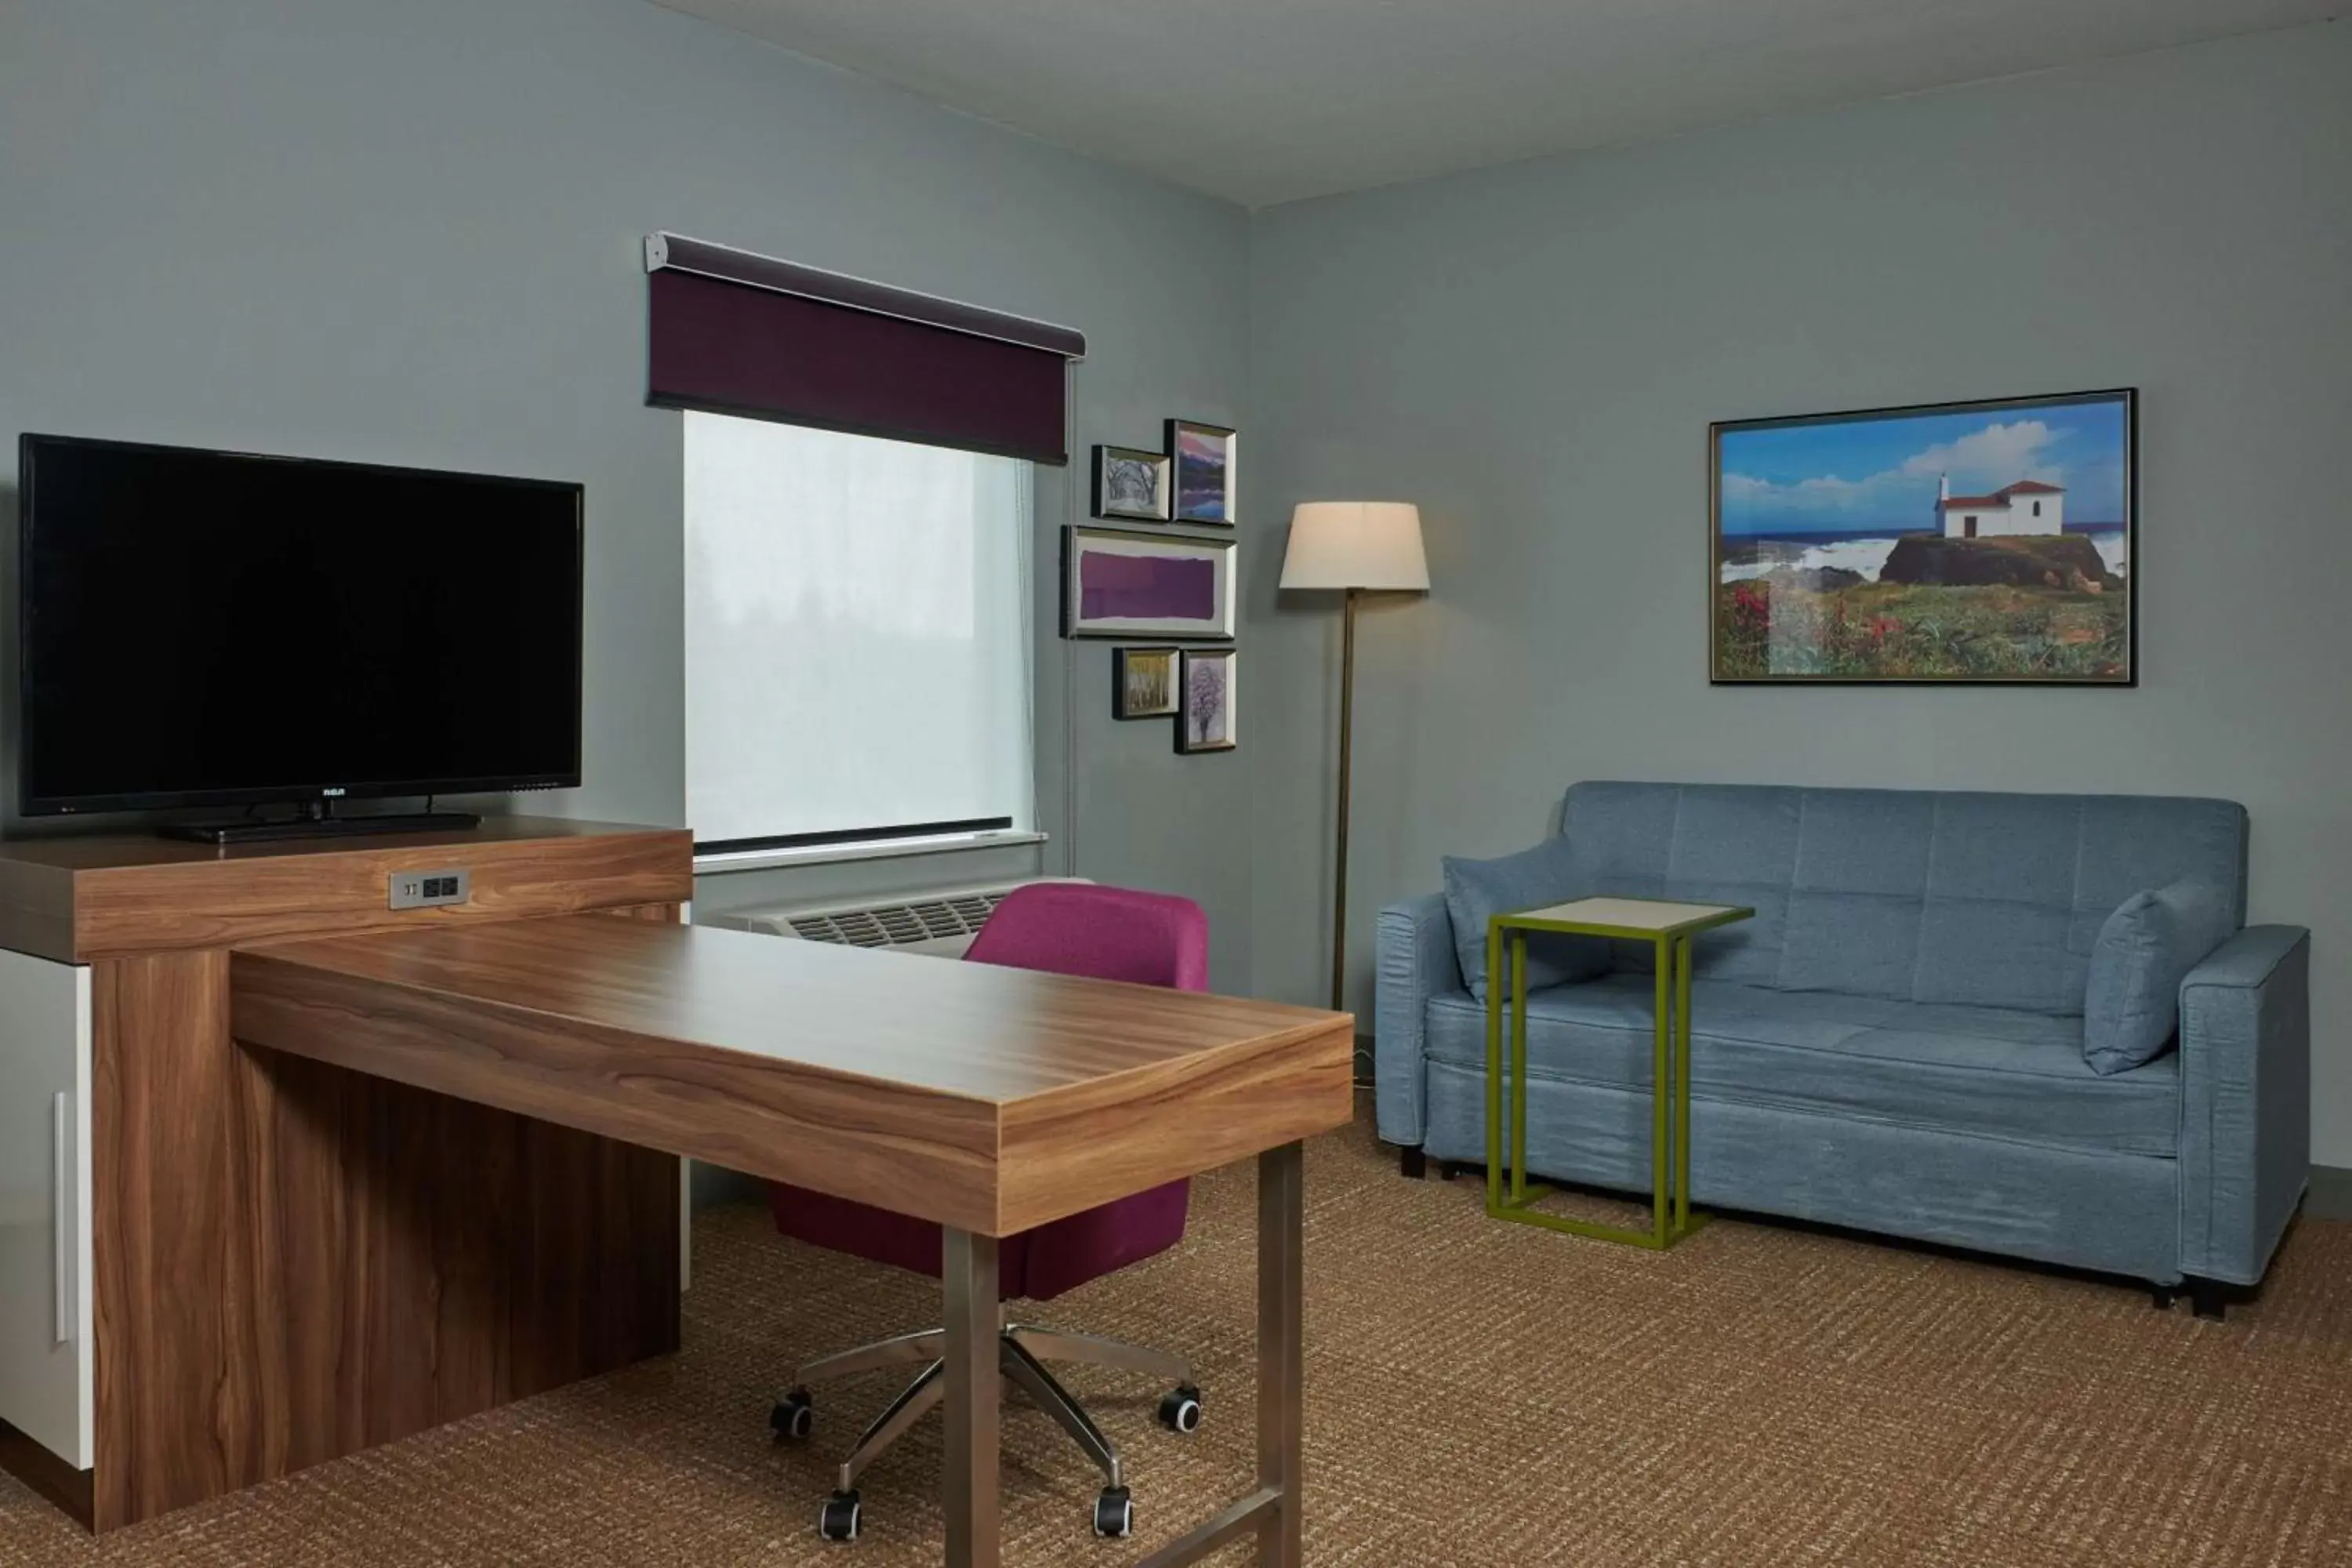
{"x": 871, "y": 849}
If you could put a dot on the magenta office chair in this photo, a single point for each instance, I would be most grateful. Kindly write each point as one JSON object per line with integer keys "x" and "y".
{"x": 1068, "y": 928}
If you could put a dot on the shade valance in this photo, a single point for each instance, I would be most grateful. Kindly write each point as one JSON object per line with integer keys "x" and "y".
{"x": 740, "y": 333}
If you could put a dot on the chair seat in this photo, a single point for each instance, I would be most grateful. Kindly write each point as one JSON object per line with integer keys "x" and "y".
{"x": 1035, "y": 1265}
{"x": 1994, "y": 1072}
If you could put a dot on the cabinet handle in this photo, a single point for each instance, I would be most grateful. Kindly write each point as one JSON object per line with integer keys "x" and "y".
{"x": 64, "y": 1230}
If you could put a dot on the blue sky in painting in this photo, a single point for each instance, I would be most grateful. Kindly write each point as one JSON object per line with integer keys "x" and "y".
{"x": 1879, "y": 473}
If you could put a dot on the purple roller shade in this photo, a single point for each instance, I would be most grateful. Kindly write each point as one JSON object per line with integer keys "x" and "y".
{"x": 738, "y": 349}
{"x": 1152, "y": 587}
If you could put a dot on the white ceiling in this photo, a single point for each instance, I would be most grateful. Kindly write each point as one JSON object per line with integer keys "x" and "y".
{"x": 1269, "y": 100}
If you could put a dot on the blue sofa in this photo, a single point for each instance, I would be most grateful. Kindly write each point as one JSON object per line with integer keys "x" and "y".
{"x": 1894, "y": 1043}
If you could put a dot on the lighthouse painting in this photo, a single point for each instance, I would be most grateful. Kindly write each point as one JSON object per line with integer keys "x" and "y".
{"x": 1947, "y": 543}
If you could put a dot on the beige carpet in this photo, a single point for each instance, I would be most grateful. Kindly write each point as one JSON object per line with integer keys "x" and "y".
{"x": 1478, "y": 1394}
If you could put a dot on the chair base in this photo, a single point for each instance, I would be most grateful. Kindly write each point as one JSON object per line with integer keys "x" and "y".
{"x": 1021, "y": 1354}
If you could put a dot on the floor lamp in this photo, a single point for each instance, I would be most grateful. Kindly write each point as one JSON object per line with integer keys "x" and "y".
{"x": 1356, "y": 547}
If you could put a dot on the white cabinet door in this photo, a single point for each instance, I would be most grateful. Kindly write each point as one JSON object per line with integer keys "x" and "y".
{"x": 44, "y": 1233}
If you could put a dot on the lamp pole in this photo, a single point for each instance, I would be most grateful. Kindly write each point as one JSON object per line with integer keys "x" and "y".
{"x": 1355, "y": 546}
{"x": 1339, "y": 860}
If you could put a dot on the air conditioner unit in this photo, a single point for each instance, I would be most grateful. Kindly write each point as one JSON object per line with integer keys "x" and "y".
{"x": 937, "y": 924}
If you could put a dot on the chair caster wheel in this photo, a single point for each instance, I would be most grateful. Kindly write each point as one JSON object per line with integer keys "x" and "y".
{"x": 792, "y": 1416}
{"x": 1115, "y": 1513}
{"x": 1181, "y": 1410}
{"x": 839, "y": 1519}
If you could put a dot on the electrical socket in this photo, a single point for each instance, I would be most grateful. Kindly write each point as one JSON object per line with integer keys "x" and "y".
{"x": 427, "y": 890}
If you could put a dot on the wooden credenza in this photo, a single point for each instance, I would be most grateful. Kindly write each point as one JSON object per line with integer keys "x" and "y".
{"x": 220, "y": 1264}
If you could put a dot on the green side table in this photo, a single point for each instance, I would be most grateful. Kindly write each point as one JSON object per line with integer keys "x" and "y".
{"x": 1670, "y": 926}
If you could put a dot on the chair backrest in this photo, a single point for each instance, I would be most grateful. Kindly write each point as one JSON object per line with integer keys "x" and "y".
{"x": 1105, "y": 933}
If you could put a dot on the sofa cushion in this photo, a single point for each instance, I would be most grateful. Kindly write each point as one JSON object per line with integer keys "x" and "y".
{"x": 1992, "y": 1072}
{"x": 1976, "y": 900}
{"x": 2131, "y": 1003}
{"x": 1477, "y": 890}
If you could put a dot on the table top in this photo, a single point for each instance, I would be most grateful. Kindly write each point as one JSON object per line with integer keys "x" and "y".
{"x": 1625, "y": 917}
{"x": 989, "y": 1098}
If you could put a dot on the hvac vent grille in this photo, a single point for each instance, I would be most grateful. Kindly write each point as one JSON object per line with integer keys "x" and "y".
{"x": 900, "y": 925}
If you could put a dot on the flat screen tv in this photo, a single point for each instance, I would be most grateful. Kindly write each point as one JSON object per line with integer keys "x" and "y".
{"x": 223, "y": 629}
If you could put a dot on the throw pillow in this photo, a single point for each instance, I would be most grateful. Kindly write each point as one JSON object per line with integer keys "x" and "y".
{"x": 1548, "y": 874}
{"x": 2131, "y": 1005}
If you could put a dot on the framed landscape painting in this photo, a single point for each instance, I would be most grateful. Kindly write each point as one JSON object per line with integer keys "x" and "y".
{"x": 1205, "y": 457}
{"x": 1958, "y": 543}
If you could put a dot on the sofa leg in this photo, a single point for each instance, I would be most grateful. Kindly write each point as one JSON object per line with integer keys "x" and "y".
{"x": 1413, "y": 1164}
{"x": 2164, "y": 1296}
{"x": 2209, "y": 1299}
{"x": 1448, "y": 1169}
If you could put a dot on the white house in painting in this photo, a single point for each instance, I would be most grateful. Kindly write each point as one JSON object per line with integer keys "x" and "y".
{"x": 2028, "y": 506}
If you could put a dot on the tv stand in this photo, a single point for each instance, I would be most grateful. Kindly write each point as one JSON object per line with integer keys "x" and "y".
{"x": 318, "y": 821}
{"x": 272, "y": 1261}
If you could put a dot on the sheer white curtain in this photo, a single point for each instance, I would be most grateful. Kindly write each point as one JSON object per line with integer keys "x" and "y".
{"x": 857, "y": 635}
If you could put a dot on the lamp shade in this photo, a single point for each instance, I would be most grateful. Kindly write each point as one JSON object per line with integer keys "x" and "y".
{"x": 1355, "y": 544}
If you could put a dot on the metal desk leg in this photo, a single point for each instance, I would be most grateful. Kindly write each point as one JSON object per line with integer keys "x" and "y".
{"x": 1281, "y": 1350}
{"x": 1271, "y": 1513}
{"x": 973, "y": 1385}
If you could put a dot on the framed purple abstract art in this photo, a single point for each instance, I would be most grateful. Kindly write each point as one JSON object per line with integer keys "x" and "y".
{"x": 1115, "y": 583}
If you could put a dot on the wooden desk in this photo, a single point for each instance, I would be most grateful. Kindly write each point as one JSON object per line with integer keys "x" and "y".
{"x": 990, "y": 1099}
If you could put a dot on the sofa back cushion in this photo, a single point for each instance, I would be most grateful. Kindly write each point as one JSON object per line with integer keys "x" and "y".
{"x": 1920, "y": 896}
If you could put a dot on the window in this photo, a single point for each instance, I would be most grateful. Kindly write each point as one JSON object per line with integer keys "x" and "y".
{"x": 857, "y": 638}
{"x": 2037, "y": 508}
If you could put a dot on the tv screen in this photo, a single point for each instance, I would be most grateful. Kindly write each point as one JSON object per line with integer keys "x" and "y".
{"x": 219, "y": 628}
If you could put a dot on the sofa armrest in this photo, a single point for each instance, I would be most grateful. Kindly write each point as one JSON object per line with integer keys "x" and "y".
{"x": 2245, "y": 1100}
{"x": 1416, "y": 960}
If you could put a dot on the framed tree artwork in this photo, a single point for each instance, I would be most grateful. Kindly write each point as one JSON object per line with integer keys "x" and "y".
{"x": 1131, "y": 484}
{"x": 1143, "y": 683}
{"x": 1206, "y": 721}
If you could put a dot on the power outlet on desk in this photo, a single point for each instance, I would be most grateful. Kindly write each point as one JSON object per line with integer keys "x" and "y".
{"x": 424, "y": 889}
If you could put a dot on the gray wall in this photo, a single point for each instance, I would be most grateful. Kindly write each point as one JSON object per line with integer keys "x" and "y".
{"x": 1534, "y": 354}
{"x": 409, "y": 232}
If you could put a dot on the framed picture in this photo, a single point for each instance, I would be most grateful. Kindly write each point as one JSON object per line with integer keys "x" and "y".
{"x": 1119, "y": 583}
{"x": 1143, "y": 682}
{"x": 1204, "y": 455}
{"x": 1952, "y": 544}
{"x": 1206, "y": 723}
{"x": 1131, "y": 484}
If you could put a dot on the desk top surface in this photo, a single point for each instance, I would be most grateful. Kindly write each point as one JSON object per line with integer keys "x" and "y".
{"x": 987, "y": 1098}
{"x": 967, "y": 1030}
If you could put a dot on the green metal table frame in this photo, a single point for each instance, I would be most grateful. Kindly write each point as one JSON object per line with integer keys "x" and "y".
{"x": 1509, "y": 1195}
